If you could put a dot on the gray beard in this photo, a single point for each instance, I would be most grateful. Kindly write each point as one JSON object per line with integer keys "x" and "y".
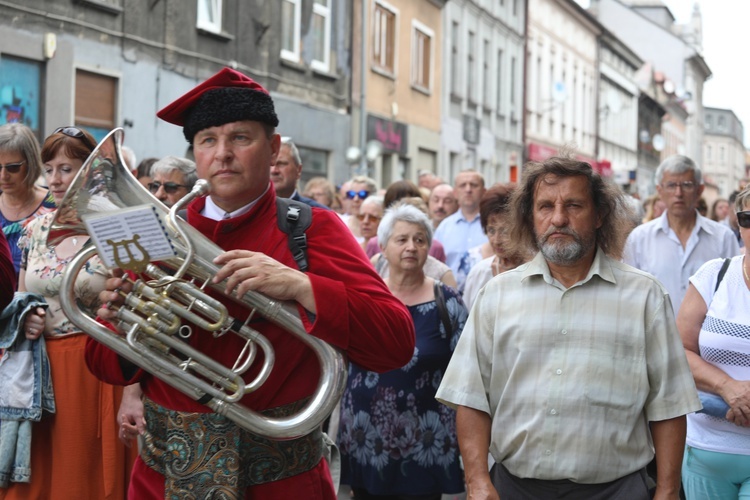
{"x": 563, "y": 255}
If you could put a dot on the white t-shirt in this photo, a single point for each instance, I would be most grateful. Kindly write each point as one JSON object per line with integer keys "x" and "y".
{"x": 724, "y": 342}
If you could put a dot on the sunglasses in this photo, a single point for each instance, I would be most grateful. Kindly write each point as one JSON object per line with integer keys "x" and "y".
{"x": 364, "y": 217}
{"x": 75, "y": 133}
{"x": 743, "y": 219}
{"x": 169, "y": 187}
{"x": 12, "y": 168}
{"x": 353, "y": 194}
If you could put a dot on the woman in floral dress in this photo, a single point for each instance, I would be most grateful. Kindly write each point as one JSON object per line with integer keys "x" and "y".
{"x": 396, "y": 440}
{"x": 75, "y": 452}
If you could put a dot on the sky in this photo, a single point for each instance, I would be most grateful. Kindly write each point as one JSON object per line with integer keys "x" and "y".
{"x": 725, "y": 32}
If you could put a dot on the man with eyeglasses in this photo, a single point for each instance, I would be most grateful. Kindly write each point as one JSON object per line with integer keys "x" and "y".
{"x": 673, "y": 246}
{"x": 172, "y": 178}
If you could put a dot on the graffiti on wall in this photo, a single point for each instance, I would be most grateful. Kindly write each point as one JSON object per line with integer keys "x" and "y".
{"x": 20, "y": 92}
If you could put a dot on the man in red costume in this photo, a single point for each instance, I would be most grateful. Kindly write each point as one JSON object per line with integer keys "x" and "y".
{"x": 193, "y": 453}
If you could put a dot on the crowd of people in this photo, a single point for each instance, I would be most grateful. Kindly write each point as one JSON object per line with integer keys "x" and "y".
{"x": 534, "y": 341}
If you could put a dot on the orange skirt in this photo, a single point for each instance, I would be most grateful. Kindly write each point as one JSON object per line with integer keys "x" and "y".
{"x": 75, "y": 453}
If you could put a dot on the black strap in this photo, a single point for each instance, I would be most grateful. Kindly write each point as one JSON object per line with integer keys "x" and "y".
{"x": 293, "y": 218}
{"x": 445, "y": 318}
{"x": 722, "y": 272}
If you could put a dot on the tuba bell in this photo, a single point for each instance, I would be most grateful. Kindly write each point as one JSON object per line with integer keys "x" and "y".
{"x": 171, "y": 303}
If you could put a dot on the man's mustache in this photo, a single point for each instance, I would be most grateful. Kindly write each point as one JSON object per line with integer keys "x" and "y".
{"x": 560, "y": 230}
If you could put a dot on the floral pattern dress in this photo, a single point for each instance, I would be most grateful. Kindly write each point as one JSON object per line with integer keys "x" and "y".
{"x": 44, "y": 272}
{"x": 394, "y": 437}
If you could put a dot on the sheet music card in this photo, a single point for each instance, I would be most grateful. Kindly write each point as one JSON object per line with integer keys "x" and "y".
{"x": 129, "y": 238}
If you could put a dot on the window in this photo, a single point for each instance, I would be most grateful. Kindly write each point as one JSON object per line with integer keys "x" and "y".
{"x": 708, "y": 152}
{"x": 315, "y": 163}
{"x": 321, "y": 33}
{"x": 454, "y": 58}
{"x": 209, "y": 15}
{"x": 384, "y": 38}
{"x": 290, "y": 30}
{"x": 486, "y": 74}
{"x": 95, "y": 104}
{"x": 421, "y": 58}
{"x": 499, "y": 81}
{"x": 470, "y": 70}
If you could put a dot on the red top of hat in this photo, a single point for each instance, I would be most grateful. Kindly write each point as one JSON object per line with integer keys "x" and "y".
{"x": 227, "y": 77}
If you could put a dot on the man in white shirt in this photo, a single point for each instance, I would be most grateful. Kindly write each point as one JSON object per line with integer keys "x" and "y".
{"x": 461, "y": 233}
{"x": 673, "y": 246}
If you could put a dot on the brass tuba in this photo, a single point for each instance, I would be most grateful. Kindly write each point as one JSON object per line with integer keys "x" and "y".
{"x": 159, "y": 311}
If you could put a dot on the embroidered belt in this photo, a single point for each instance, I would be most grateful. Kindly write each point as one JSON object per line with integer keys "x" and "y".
{"x": 206, "y": 455}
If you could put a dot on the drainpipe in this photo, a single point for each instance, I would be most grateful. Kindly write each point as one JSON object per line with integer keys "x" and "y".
{"x": 363, "y": 167}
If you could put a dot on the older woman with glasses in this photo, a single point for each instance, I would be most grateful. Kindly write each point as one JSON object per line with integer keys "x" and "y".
{"x": 172, "y": 178}
{"x": 75, "y": 452}
{"x": 321, "y": 190}
{"x": 396, "y": 441}
{"x": 370, "y": 215}
{"x": 21, "y": 200}
{"x": 360, "y": 187}
{"x": 714, "y": 323}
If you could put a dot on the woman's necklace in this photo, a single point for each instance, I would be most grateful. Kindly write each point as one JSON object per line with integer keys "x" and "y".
{"x": 744, "y": 269}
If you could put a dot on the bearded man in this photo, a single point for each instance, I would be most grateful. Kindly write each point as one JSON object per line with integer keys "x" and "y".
{"x": 570, "y": 370}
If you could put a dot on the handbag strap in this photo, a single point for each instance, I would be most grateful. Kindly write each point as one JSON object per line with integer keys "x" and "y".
{"x": 445, "y": 318}
{"x": 722, "y": 272}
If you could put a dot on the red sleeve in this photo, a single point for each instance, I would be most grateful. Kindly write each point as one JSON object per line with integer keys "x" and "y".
{"x": 356, "y": 311}
{"x": 8, "y": 280}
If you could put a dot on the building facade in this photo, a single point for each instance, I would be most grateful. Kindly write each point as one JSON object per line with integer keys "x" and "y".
{"x": 723, "y": 150}
{"x": 403, "y": 84}
{"x": 618, "y": 110}
{"x": 102, "y": 64}
{"x": 483, "y": 81}
{"x": 648, "y": 28}
{"x": 563, "y": 80}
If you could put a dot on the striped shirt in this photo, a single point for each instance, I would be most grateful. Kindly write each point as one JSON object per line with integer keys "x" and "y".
{"x": 571, "y": 377}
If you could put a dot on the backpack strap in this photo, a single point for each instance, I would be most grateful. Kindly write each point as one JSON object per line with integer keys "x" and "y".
{"x": 722, "y": 272}
{"x": 445, "y": 318}
{"x": 293, "y": 218}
